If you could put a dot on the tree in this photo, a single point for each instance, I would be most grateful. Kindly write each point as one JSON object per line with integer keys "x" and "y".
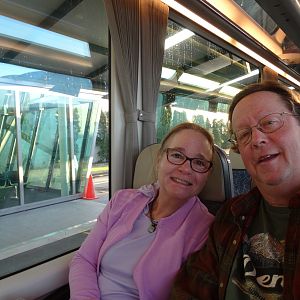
{"x": 224, "y": 135}
{"x": 208, "y": 125}
{"x": 76, "y": 129}
{"x": 164, "y": 123}
{"x": 199, "y": 120}
{"x": 102, "y": 140}
{"x": 220, "y": 133}
{"x": 178, "y": 117}
{"x": 216, "y": 132}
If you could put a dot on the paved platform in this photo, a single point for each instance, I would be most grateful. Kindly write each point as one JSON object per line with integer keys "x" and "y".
{"x": 26, "y": 230}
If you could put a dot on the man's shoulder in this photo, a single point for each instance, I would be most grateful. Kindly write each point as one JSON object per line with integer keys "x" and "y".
{"x": 241, "y": 204}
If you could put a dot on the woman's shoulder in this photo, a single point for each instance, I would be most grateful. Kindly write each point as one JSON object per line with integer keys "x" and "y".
{"x": 125, "y": 197}
{"x": 127, "y": 192}
{"x": 200, "y": 207}
{"x": 144, "y": 191}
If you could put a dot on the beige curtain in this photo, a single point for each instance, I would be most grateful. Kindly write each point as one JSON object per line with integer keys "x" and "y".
{"x": 123, "y": 22}
{"x": 154, "y": 19}
{"x": 125, "y": 19}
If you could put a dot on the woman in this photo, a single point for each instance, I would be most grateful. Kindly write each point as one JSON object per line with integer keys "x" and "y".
{"x": 142, "y": 236}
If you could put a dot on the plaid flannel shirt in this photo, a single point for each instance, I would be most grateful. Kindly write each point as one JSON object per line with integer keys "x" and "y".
{"x": 206, "y": 272}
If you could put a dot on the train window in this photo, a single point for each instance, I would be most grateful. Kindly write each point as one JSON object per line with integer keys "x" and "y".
{"x": 53, "y": 93}
{"x": 280, "y": 27}
{"x": 288, "y": 84}
{"x": 199, "y": 79}
{"x": 252, "y": 8}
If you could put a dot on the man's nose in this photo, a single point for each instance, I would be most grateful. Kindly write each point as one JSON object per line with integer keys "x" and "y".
{"x": 257, "y": 136}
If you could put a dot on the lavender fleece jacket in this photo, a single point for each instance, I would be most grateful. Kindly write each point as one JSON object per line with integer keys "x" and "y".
{"x": 177, "y": 236}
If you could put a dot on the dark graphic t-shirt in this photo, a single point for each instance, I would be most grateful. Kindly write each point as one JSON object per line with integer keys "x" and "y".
{"x": 257, "y": 270}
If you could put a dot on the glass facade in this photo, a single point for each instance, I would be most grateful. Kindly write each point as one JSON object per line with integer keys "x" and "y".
{"x": 53, "y": 90}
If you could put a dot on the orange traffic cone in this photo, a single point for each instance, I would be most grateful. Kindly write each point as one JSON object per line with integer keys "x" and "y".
{"x": 89, "y": 191}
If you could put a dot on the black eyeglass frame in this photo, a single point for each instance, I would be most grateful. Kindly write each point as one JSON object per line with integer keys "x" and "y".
{"x": 190, "y": 159}
{"x": 234, "y": 141}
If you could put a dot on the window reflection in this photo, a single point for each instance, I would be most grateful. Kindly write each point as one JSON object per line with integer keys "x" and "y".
{"x": 199, "y": 79}
{"x": 286, "y": 37}
{"x": 57, "y": 131}
{"x": 53, "y": 86}
{"x": 9, "y": 176}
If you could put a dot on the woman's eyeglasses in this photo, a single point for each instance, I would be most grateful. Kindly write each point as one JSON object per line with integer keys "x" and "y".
{"x": 199, "y": 165}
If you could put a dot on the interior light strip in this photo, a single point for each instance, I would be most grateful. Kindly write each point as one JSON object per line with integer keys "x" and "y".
{"x": 216, "y": 31}
{"x": 198, "y": 81}
{"x": 178, "y": 38}
{"x": 227, "y": 83}
{"x": 167, "y": 73}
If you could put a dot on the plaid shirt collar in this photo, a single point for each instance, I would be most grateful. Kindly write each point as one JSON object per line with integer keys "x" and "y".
{"x": 248, "y": 205}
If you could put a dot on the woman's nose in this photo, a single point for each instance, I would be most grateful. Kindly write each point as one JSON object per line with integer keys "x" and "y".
{"x": 186, "y": 166}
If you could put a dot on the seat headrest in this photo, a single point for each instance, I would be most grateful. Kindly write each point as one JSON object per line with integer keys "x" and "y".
{"x": 219, "y": 184}
{"x": 236, "y": 160}
{"x": 242, "y": 181}
{"x": 144, "y": 172}
{"x": 218, "y": 187}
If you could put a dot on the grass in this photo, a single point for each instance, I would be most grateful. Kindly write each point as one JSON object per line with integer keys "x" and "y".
{"x": 99, "y": 168}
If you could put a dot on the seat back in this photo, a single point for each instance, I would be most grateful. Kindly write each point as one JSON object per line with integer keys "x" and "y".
{"x": 144, "y": 172}
{"x": 218, "y": 188}
{"x": 219, "y": 185}
{"x": 242, "y": 182}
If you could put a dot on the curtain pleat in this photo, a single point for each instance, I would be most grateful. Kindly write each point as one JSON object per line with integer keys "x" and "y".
{"x": 154, "y": 20}
{"x": 123, "y": 22}
{"x": 125, "y": 19}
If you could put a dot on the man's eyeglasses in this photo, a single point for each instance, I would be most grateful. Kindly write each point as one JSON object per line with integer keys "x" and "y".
{"x": 199, "y": 165}
{"x": 267, "y": 124}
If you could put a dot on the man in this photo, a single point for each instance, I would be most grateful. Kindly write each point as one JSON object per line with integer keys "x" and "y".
{"x": 253, "y": 251}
